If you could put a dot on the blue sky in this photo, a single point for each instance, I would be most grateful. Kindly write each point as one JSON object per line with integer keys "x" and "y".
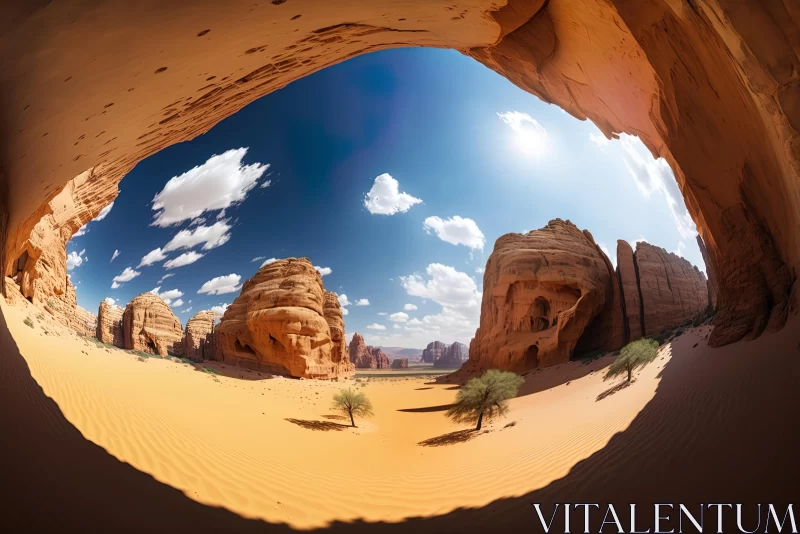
{"x": 454, "y": 156}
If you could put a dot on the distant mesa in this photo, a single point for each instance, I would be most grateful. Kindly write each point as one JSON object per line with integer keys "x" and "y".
{"x": 367, "y": 357}
{"x": 413, "y": 355}
{"x": 150, "y": 326}
{"x": 400, "y": 363}
{"x": 284, "y": 322}
{"x": 109, "y": 325}
{"x": 453, "y": 356}
{"x": 552, "y": 294}
{"x": 433, "y": 351}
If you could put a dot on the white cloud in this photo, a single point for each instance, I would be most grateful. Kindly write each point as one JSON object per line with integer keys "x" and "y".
{"x": 155, "y": 290}
{"x": 125, "y": 276}
{"x": 210, "y": 236}
{"x": 600, "y": 140}
{"x": 75, "y": 259}
{"x": 457, "y": 294}
{"x": 654, "y": 175}
{"x": 187, "y": 310}
{"x": 257, "y": 258}
{"x": 480, "y": 270}
{"x": 152, "y": 257}
{"x": 109, "y": 301}
{"x": 167, "y": 296}
{"x": 397, "y": 327}
{"x": 344, "y": 301}
{"x": 184, "y": 259}
{"x": 385, "y": 197}
{"x": 220, "y": 310}
{"x": 383, "y": 314}
{"x": 345, "y": 311}
{"x": 323, "y": 271}
{"x": 81, "y": 231}
{"x": 376, "y": 326}
{"x": 530, "y": 136}
{"x": 362, "y": 302}
{"x": 165, "y": 277}
{"x": 178, "y": 303}
{"x": 266, "y": 183}
{"x": 222, "y": 181}
{"x": 399, "y": 317}
{"x": 410, "y": 307}
{"x": 221, "y": 285}
{"x": 271, "y": 260}
{"x": 680, "y": 250}
{"x": 104, "y": 212}
{"x": 197, "y": 221}
{"x": 114, "y": 256}
{"x": 456, "y": 231}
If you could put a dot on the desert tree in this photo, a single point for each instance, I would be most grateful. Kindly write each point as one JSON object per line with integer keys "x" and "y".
{"x": 352, "y": 403}
{"x": 485, "y": 397}
{"x": 633, "y": 356}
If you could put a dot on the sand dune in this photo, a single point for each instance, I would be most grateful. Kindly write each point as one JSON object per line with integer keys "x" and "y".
{"x": 226, "y": 442}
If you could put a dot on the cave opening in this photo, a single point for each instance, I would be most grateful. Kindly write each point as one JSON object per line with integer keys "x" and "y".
{"x": 540, "y": 313}
{"x": 532, "y": 357}
{"x": 244, "y": 348}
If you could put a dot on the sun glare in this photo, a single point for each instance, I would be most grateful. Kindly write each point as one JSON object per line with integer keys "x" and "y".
{"x": 529, "y": 136}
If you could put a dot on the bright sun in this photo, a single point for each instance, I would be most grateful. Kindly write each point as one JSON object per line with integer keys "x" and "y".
{"x": 530, "y": 137}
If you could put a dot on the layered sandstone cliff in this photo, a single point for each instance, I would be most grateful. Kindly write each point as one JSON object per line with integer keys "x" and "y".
{"x": 400, "y": 363}
{"x": 150, "y": 326}
{"x": 198, "y": 337}
{"x": 364, "y": 356}
{"x": 541, "y": 293}
{"x": 109, "y": 324}
{"x": 332, "y": 311}
{"x": 672, "y": 290}
{"x": 629, "y": 282}
{"x": 279, "y": 323}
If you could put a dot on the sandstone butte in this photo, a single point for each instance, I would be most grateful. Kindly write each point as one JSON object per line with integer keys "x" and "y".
{"x": 281, "y": 323}
{"x": 433, "y": 351}
{"x": 198, "y": 337}
{"x": 109, "y": 324}
{"x": 552, "y": 294}
{"x": 544, "y": 294}
{"x": 367, "y": 357}
{"x": 452, "y": 356}
{"x": 400, "y": 363}
{"x": 150, "y": 326}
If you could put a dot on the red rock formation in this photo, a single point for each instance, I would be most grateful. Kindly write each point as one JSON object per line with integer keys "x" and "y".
{"x": 332, "y": 311}
{"x": 453, "y": 356}
{"x": 710, "y": 85}
{"x": 150, "y": 326}
{"x": 198, "y": 338}
{"x": 629, "y": 282}
{"x": 673, "y": 291}
{"x": 109, "y": 325}
{"x": 433, "y": 351}
{"x": 541, "y": 290}
{"x": 367, "y": 357}
{"x": 278, "y": 324}
{"x": 400, "y": 363}
{"x": 712, "y": 280}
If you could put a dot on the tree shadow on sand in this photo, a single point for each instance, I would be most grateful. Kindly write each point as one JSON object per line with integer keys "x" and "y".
{"x": 613, "y": 389}
{"x": 333, "y": 417}
{"x": 451, "y": 438}
{"x": 324, "y": 426}
{"x": 427, "y": 409}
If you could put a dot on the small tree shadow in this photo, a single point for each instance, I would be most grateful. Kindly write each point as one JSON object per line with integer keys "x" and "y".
{"x": 420, "y": 389}
{"x": 610, "y": 391}
{"x": 459, "y": 436}
{"x": 335, "y": 417}
{"x": 427, "y": 409}
{"x": 324, "y": 426}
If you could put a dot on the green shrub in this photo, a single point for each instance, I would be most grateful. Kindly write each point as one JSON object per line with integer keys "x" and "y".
{"x": 633, "y": 356}
{"x": 485, "y": 397}
{"x": 352, "y": 403}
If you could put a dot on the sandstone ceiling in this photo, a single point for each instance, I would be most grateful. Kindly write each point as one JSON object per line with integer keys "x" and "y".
{"x": 710, "y": 85}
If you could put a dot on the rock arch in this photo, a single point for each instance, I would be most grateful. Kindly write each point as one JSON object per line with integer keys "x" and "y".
{"x": 710, "y": 85}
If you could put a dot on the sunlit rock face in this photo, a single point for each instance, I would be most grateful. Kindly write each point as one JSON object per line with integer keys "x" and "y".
{"x": 332, "y": 311}
{"x": 709, "y": 85}
{"x": 198, "y": 338}
{"x": 109, "y": 325}
{"x": 452, "y": 356}
{"x": 629, "y": 282}
{"x": 367, "y": 357}
{"x": 433, "y": 351}
{"x": 150, "y": 326}
{"x": 541, "y": 290}
{"x": 278, "y": 324}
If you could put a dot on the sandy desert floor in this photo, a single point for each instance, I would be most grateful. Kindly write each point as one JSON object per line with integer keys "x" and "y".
{"x": 272, "y": 449}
